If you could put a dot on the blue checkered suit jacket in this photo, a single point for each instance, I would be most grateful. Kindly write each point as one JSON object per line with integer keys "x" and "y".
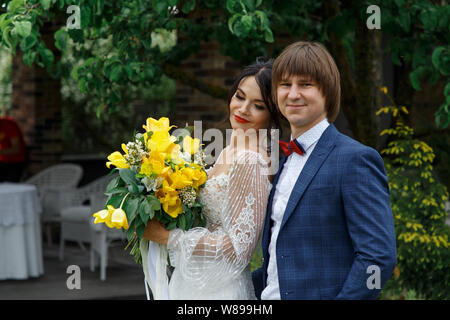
{"x": 337, "y": 223}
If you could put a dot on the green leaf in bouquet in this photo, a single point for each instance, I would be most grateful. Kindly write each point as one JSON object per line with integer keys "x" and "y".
{"x": 112, "y": 184}
{"x": 140, "y": 175}
{"x": 129, "y": 177}
{"x": 144, "y": 216}
{"x": 171, "y": 225}
{"x": 140, "y": 228}
{"x": 145, "y": 207}
{"x": 134, "y": 189}
{"x": 201, "y": 222}
{"x": 189, "y": 219}
{"x": 131, "y": 230}
{"x": 115, "y": 200}
{"x": 182, "y": 222}
{"x": 180, "y": 139}
{"x": 140, "y": 137}
{"x": 130, "y": 206}
{"x": 197, "y": 205}
{"x": 154, "y": 202}
{"x": 117, "y": 190}
{"x": 113, "y": 170}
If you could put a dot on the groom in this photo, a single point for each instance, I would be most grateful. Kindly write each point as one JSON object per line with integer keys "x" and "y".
{"x": 329, "y": 231}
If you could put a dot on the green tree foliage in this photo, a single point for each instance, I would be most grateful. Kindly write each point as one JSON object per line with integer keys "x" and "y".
{"x": 5, "y": 80}
{"x": 422, "y": 41}
{"x": 417, "y": 200}
{"x": 142, "y": 35}
{"x": 150, "y": 37}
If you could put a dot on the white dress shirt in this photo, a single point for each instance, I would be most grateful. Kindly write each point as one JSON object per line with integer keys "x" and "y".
{"x": 288, "y": 177}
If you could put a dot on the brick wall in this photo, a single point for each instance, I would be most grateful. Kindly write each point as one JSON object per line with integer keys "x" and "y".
{"x": 36, "y": 105}
{"x": 213, "y": 68}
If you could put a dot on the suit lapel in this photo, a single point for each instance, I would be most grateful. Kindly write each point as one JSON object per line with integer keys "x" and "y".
{"x": 315, "y": 160}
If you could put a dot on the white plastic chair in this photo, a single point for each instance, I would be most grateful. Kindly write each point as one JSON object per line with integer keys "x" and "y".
{"x": 102, "y": 236}
{"x": 54, "y": 185}
{"x": 75, "y": 217}
{"x": 77, "y": 224}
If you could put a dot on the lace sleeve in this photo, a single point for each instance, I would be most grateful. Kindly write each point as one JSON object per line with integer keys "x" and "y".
{"x": 205, "y": 256}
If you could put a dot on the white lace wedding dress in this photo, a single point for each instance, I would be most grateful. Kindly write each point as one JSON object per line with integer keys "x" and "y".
{"x": 213, "y": 262}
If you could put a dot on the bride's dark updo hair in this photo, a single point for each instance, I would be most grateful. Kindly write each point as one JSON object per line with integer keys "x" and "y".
{"x": 262, "y": 71}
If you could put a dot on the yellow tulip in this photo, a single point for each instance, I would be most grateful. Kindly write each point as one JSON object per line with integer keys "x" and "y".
{"x": 180, "y": 180}
{"x": 153, "y": 164}
{"x": 190, "y": 145}
{"x": 166, "y": 188}
{"x": 171, "y": 204}
{"x": 199, "y": 178}
{"x": 174, "y": 154}
{"x": 188, "y": 172}
{"x": 157, "y": 125}
{"x": 118, "y": 160}
{"x": 104, "y": 216}
{"x": 100, "y": 216}
{"x": 119, "y": 219}
{"x": 169, "y": 199}
{"x": 161, "y": 141}
{"x": 124, "y": 148}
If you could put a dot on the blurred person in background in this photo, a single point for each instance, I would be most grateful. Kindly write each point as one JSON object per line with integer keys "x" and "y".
{"x": 12, "y": 149}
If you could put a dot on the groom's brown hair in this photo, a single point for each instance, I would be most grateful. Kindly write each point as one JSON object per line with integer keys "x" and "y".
{"x": 310, "y": 59}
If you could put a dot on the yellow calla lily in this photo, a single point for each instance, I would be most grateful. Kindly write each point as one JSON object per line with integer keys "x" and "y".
{"x": 157, "y": 125}
{"x": 191, "y": 145}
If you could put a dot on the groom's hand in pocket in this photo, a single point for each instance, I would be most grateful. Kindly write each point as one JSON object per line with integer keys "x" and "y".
{"x": 156, "y": 232}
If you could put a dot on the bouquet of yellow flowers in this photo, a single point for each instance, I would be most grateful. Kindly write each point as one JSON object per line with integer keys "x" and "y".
{"x": 160, "y": 176}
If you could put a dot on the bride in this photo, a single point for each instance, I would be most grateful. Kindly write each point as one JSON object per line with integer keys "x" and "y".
{"x": 213, "y": 262}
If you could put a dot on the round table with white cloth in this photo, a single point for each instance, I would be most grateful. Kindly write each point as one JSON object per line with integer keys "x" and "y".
{"x": 20, "y": 232}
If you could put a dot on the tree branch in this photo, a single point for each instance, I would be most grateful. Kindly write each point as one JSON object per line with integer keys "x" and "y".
{"x": 194, "y": 82}
{"x": 348, "y": 92}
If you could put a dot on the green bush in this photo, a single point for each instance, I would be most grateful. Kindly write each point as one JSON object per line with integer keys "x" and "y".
{"x": 418, "y": 206}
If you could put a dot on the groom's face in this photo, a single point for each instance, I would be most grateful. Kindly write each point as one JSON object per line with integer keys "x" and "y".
{"x": 301, "y": 102}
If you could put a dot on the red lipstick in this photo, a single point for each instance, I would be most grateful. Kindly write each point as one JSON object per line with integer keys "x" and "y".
{"x": 240, "y": 120}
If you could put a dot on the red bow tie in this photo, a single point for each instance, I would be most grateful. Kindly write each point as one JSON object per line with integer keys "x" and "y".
{"x": 291, "y": 146}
